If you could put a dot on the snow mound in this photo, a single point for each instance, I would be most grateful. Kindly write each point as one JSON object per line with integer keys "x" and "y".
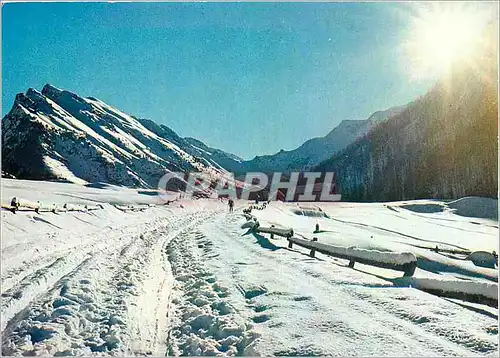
{"x": 424, "y": 208}
{"x": 483, "y": 259}
{"x": 397, "y": 258}
{"x": 477, "y": 207}
{"x": 486, "y": 289}
{"x": 309, "y": 211}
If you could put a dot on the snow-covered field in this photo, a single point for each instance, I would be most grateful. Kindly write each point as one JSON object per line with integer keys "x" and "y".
{"x": 186, "y": 279}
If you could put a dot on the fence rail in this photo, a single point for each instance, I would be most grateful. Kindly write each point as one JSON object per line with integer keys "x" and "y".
{"x": 288, "y": 233}
{"x": 405, "y": 261}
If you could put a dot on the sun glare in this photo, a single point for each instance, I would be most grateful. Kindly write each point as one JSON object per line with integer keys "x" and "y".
{"x": 443, "y": 34}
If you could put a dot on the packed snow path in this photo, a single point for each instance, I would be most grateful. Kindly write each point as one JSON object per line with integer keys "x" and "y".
{"x": 189, "y": 281}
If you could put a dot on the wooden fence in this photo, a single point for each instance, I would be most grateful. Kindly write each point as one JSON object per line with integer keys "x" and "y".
{"x": 19, "y": 204}
{"x": 404, "y": 261}
{"x": 399, "y": 261}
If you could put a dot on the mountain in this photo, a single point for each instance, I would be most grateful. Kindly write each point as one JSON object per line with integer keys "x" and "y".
{"x": 57, "y": 135}
{"x": 213, "y": 156}
{"x": 444, "y": 144}
{"x": 316, "y": 150}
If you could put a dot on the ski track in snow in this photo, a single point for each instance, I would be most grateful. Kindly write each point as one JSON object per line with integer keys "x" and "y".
{"x": 109, "y": 295}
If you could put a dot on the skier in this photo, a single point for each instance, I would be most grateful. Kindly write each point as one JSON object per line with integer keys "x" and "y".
{"x": 231, "y": 204}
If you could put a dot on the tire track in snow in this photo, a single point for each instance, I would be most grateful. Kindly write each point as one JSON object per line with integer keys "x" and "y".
{"x": 39, "y": 275}
{"x": 73, "y": 317}
{"x": 149, "y": 319}
{"x": 88, "y": 243}
{"x": 41, "y": 280}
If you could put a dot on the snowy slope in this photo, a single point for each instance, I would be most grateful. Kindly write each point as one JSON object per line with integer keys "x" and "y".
{"x": 186, "y": 279}
{"x": 56, "y": 134}
{"x": 213, "y": 156}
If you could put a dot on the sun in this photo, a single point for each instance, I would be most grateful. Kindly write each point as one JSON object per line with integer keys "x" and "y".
{"x": 442, "y": 34}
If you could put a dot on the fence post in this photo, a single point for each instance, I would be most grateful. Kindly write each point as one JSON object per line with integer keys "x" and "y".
{"x": 410, "y": 269}
{"x": 272, "y": 235}
{"x": 351, "y": 263}
{"x": 13, "y": 205}
{"x": 313, "y": 251}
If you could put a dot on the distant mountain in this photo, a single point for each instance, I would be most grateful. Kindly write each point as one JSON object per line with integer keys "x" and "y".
{"x": 444, "y": 144}
{"x": 58, "y": 135}
{"x": 316, "y": 150}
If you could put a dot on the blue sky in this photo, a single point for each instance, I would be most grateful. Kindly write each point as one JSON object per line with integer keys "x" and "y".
{"x": 248, "y": 78}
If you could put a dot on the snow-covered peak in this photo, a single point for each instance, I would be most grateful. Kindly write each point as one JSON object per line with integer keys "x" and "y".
{"x": 48, "y": 89}
{"x": 75, "y": 137}
{"x": 66, "y": 99}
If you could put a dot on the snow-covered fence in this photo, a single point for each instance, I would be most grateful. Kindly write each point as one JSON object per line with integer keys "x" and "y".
{"x": 259, "y": 207}
{"x": 93, "y": 207}
{"x": 399, "y": 261}
{"x": 19, "y": 204}
{"x": 448, "y": 251}
{"x": 23, "y": 204}
{"x": 472, "y": 291}
{"x": 46, "y": 208}
{"x": 26, "y": 205}
{"x": 254, "y": 225}
{"x": 248, "y": 225}
{"x": 248, "y": 210}
{"x": 73, "y": 207}
{"x": 275, "y": 231}
{"x": 126, "y": 208}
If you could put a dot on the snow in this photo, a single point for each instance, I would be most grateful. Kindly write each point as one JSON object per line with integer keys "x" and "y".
{"x": 188, "y": 279}
{"x": 486, "y": 289}
{"x": 201, "y": 150}
{"x": 62, "y": 170}
{"x": 396, "y": 258}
